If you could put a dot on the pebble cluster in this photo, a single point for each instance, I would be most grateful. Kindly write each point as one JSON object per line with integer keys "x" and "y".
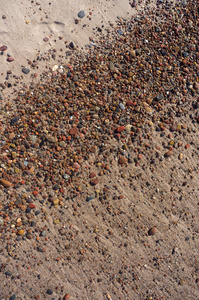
{"x": 67, "y": 134}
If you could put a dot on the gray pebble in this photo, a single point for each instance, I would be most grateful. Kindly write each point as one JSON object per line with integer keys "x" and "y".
{"x": 81, "y": 14}
{"x": 122, "y": 107}
{"x": 25, "y": 70}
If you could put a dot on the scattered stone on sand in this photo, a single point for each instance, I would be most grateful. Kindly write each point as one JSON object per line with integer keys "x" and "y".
{"x": 152, "y": 231}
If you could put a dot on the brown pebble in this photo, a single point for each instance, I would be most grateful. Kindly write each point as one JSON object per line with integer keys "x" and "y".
{"x": 67, "y": 296}
{"x": 122, "y": 160}
{"x": 152, "y": 231}
{"x": 3, "y": 48}
{"x": 92, "y": 174}
{"x": 5, "y": 183}
{"x": 94, "y": 181}
{"x": 168, "y": 153}
{"x": 10, "y": 59}
{"x": 73, "y": 131}
{"x": 11, "y": 136}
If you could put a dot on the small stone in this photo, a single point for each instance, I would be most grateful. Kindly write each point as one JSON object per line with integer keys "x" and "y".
{"x": 73, "y": 131}
{"x": 75, "y": 78}
{"x": 56, "y": 221}
{"x": 56, "y": 202}
{"x": 1, "y": 221}
{"x": 81, "y": 14}
{"x": 94, "y": 181}
{"x": 11, "y": 136}
{"x": 168, "y": 154}
{"x": 13, "y": 121}
{"x": 25, "y": 70}
{"x": 46, "y": 39}
{"x": 54, "y": 68}
{"x": 111, "y": 66}
{"x": 3, "y": 48}
{"x": 21, "y": 232}
{"x": 32, "y": 206}
{"x": 10, "y": 59}
{"x": 88, "y": 199}
{"x": 122, "y": 107}
{"x": 92, "y": 174}
{"x": 152, "y": 231}
{"x": 120, "y": 129}
{"x": 66, "y": 297}
{"x": 122, "y": 160}
{"x": 5, "y": 183}
{"x": 49, "y": 292}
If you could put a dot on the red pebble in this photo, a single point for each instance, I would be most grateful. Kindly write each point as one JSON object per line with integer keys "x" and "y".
{"x": 35, "y": 193}
{"x": 67, "y": 296}
{"x": 120, "y": 129}
{"x": 129, "y": 103}
{"x": 92, "y": 174}
{"x": 31, "y": 205}
{"x": 94, "y": 181}
{"x": 10, "y": 59}
{"x": 73, "y": 131}
{"x": 3, "y": 48}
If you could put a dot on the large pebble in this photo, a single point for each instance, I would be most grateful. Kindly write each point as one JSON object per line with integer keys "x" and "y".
{"x": 81, "y": 14}
{"x": 152, "y": 231}
{"x": 5, "y": 183}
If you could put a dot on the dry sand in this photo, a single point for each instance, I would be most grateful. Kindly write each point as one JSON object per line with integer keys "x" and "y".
{"x": 101, "y": 249}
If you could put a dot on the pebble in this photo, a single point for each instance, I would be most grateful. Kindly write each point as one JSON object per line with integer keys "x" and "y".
{"x": 88, "y": 199}
{"x": 168, "y": 154}
{"x": 3, "y": 48}
{"x": 13, "y": 121}
{"x": 49, "y": 292}
{"x": 5, "y": 183}
{"x": 122, "y": 160}
{"x": 94, "y": 181}
{"x": 152, "y": 231}
{"x": 66, "y": 297}
{"x": 11, "y": 136}
{"x": 73, "y": 131}
{"x": 1, "y": 221}
{"x": 46, "y": 39}
{"x": 10, "y": 59}
{"x": 81, "y": 14}
{"x": 122, "y": 107}
{"x": 25, "y": 70}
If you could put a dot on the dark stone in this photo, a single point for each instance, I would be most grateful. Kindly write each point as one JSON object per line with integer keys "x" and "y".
{"x": 49, "y": 292}
{"x": 88, "y": 199}
{"x": 25, "y": 70}
{"x": 13, "y": 121}
{"x": 81, "y": 14}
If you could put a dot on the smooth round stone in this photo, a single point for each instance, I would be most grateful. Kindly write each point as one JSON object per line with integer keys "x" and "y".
{"x": 81, "y": 14}
{"x": 25, "y": 70}
{"x": 54, "y": 68}
{"x": 168, "y": 154}
{"x": 152, "y": 231}
{"x": 1, "y": 221}
{"x": 122, "y": 107}
{"x": 49, "y": 292}
{"x": 3, "y": 48}
{"x": 10, "y": 59}
{"x": 5, "y": 183}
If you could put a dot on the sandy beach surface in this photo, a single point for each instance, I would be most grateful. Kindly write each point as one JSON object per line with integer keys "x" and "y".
{"x": 99, "y": 150}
